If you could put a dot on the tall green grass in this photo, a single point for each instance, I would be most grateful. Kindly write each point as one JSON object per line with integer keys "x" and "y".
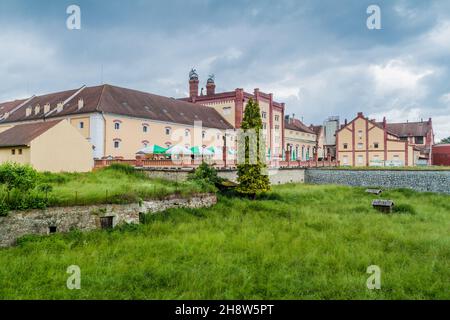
{"x": 115, "y": 184}
{"x": 297, "y": 242}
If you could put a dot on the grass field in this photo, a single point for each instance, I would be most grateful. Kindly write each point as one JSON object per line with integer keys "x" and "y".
{"x": 298, "y": 242}
{"x": 116, "y": 184}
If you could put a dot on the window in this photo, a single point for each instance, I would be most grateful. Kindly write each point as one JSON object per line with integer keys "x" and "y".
{"x": 345, "y": 145}
{"x": 360, "y": 159}
{"x": 117, "y": 126}
{"x": 116, "y": 144}
{"x": 168, "y": 131}
{"x": 227, "y": 111}
{"x": 418, "y": 140}
{"x": 264, "y": 126}
{"x": 203, "y": 134}
{"x": 20, "y": 151}
{"x": 145, "y": 128}
{"x": 187, "y": 132}
{"x": 81, "y": 125}
{"x": 376, "y": 145}
{"x": 264, "y": 115}
{"x": 145, "y": 143}
{"x": 360, "y": 146}
{"x": 277, "y": 127}
{"x": 345, "y": 160}
{"x": 107, "y": 222}
{"x": 277, "y": 118}
{"x": 13, "y": 151}
{"x": 360, "y": 134}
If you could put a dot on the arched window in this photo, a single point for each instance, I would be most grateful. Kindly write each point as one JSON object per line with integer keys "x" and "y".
{"x": 168, "y": 144}
{"x": 145, "y": 128}
{"x": 117, "y": 143}
{"x": 168, "y": 131}
{"x": 187, "y": 132}
{"x": 203, "y": 134}
{"x": 145, "y": 143}
{"x": 81, "y": 125}
{"x": 116, "y": 125}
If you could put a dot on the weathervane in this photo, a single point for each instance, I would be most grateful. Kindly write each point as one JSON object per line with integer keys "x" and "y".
{"x": 211, "y": 78}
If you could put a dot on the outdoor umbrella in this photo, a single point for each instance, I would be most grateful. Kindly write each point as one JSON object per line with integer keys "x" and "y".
{"x": 153, "y": 149}
{"x": 179, "y": 150}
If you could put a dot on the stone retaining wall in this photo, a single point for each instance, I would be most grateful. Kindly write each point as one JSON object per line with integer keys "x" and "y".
{"x": 432, "y": 181}
{"x": 277, "y": 176}
{"x": 86, "y": 218}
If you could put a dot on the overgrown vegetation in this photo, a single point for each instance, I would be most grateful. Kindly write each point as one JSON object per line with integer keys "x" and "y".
{"x": 296, "y": 242}
{"x": 205, "y": 175}
{"x": 22, "y": 188}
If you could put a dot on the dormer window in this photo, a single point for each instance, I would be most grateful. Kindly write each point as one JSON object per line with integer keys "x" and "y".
{"x": 37, "y": 109}
{"x": 28, "y": 112}
{"x": 47, "y": 108}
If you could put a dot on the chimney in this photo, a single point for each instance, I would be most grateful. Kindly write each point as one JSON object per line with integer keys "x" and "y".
{"x": 430, "y": 121}
{"x": 47, "y": 108}
{"x": 360, "y": 114}
{"x": 345, "y": 122}
{"x": 384, "y": 122}
{"x": 193, "y": 84}
{"x": 59, "y": 107}
{"x": 210, "y": 86}
{"x": 80, "y": 103}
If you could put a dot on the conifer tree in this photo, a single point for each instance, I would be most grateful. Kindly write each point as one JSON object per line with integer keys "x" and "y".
{"x": 251, "y": 178}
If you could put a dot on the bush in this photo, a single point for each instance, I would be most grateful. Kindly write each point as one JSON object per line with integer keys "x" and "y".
{"x": 205, "y": 174}
{"x": 17, "y": 176}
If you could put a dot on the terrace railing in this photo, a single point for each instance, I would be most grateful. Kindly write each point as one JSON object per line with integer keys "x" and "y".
{"x": 229, "y": 164}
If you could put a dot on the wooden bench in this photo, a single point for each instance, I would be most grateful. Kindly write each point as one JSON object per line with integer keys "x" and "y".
{"x": 384, "y": 206}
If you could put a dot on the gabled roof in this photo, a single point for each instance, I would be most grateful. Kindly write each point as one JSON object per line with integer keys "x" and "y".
{"x": 316, "y": 129}
{"x": 120, "y": 101}
{"x": 22, "y": 135}
{"x": 297, "y": 125}
{"x": 410, "y": 129}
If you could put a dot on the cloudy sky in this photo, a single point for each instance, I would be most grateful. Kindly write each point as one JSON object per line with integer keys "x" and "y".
{"x": 317, "y": 56}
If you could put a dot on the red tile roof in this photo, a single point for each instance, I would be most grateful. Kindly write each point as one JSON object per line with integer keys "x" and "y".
{"x": 297, "y": 125}
{"x": 121, "y": 101}
{"x": 409, "y": 129}
{"x": 22, "y": 135}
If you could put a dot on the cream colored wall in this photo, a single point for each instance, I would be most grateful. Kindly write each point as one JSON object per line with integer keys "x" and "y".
{"x": 85, "y": 130}
{"x": 132, "y": 136}
{"x": 376, "y": 135}
{"x": 7, "y": 156}
{"x": 220, "y": 105}
{"x": 61, "y": 149}
{"x": 300, "y": 139}
{"x": 277, "y": 135}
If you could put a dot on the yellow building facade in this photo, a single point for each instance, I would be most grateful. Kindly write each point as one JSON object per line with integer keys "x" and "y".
{"x": 53, "y": 146}
{"x": 363, "y": 143}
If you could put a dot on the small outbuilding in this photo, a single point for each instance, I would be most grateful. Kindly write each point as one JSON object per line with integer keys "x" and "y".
{"x": 54, "y": 146}
{"x": 441, "y": 155}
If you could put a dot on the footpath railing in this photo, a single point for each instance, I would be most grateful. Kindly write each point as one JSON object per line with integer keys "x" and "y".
{"x": 230, "y": 164}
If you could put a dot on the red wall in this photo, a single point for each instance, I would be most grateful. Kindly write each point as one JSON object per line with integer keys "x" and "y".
{"x": 441, "y": 155}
